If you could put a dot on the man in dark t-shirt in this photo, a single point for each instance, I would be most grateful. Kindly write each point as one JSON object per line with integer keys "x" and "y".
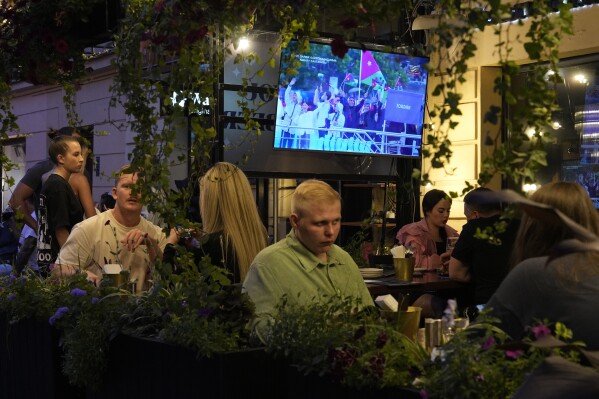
{"x": 478, "y": 261}
{"x": 59, "y": 208}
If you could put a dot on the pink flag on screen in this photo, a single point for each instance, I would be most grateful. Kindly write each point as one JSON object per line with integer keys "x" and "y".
{"x": 370, "y": 70}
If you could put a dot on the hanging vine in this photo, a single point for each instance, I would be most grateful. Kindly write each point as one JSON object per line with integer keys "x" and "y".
{"x": 454, "y": 46}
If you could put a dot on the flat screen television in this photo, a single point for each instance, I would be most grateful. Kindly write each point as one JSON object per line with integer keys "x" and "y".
{"x": 369, "y": 102}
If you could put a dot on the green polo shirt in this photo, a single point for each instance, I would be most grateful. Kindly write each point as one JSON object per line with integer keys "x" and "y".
{"x": 288, "y": 267}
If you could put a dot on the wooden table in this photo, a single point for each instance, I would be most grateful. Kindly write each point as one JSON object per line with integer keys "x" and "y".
{"x": 428, "y": 282}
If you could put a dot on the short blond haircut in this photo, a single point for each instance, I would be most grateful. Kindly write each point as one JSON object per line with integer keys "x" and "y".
{"x": 311, "y": 191}
{"x": 227, "y": 205}
{"x": 120, "y": 172}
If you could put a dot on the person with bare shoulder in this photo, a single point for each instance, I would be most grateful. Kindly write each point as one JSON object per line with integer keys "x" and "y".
{"x": 59, "y": 209}
{"x": 80, "y": 185}
{"x": 31, "y": 184}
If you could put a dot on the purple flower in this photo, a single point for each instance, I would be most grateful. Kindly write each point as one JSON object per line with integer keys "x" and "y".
{"x": 360, "y": 332}
{"x": 381, "y": 340}
{"x": 541, "y": 331}
{"x": 377, "y": 365}
{"x": 489, "y": 343}
{"x": 12, "y": 296}
{"x": 94, "y": 300}
{"x": 423, "y": 394}
{"x": 78, "y": 292}
{"x": 204, "y": 312}
{"x": 514, "y": 354}
{"x": 61, "y": 46}
{"x": 341, "y": 359}
{"x": 339, "y": 47}
{"x": 12, "y": 278}
{"x": 158, "y": 7}
{"x": 59, "y": 313}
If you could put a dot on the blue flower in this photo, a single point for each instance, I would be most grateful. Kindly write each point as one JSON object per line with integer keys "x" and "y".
{"x": 95, "y": 300}
{"x": 12, "y": 296}
{"x": 78, "y": 292}
{"x": 59, "y": 313}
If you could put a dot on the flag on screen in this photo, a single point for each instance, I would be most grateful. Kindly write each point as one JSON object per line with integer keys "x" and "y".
{"x": 414, "y": 70}
{"x": 370, "y": 70}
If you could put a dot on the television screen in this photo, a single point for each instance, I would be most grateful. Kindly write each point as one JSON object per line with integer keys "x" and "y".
{"x": 585, "y": 175}
{"x": 369, "y": 102}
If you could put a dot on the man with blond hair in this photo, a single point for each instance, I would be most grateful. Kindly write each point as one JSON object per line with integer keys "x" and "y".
{"x": 307, "y": 266}
{"x": 120, "y": 235}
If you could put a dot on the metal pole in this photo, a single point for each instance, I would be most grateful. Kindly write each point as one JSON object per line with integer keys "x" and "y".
{"x": 275, "y": 211}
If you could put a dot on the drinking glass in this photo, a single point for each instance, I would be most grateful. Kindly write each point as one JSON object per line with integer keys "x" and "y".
{"x": 451, "y": 243}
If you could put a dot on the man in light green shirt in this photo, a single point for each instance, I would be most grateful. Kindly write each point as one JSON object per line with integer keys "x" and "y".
{"x": 306, "y": 266}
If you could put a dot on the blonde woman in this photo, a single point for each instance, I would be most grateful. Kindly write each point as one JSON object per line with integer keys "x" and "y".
{"x": 234, "y": 231}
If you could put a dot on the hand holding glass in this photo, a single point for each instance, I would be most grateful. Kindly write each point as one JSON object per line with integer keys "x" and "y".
{"x": 451, "y": 243}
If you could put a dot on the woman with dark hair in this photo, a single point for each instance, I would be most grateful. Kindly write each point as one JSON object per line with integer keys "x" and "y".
{"x": 428, "y": 237}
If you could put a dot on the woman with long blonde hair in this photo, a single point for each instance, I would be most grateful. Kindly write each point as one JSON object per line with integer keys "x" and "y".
{"x": 234, "y": 231}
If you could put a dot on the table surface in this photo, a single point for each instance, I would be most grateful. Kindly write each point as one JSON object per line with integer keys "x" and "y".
{"x": 428, "y": 282}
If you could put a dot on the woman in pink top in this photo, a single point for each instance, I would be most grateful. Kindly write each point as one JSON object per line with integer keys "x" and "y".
{"x": 428, "y": 237}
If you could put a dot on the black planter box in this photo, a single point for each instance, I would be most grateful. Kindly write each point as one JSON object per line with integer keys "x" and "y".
{"x": 30, "y": 368}
{"x": 30, "y": 360}
{"x": 147, "y": 368}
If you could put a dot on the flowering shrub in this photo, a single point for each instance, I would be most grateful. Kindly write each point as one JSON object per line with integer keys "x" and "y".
{"x": 198, "y": 309}
{"x": 481, "y": 362}
{"x": 359, "y": 350}
{"x": 85, "y": 315}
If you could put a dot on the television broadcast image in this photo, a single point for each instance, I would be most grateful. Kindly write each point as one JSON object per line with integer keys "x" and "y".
{"x": 369, "y": 102}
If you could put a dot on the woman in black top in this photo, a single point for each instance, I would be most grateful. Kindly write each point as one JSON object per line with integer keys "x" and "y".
{"x": 234, "y": 233}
